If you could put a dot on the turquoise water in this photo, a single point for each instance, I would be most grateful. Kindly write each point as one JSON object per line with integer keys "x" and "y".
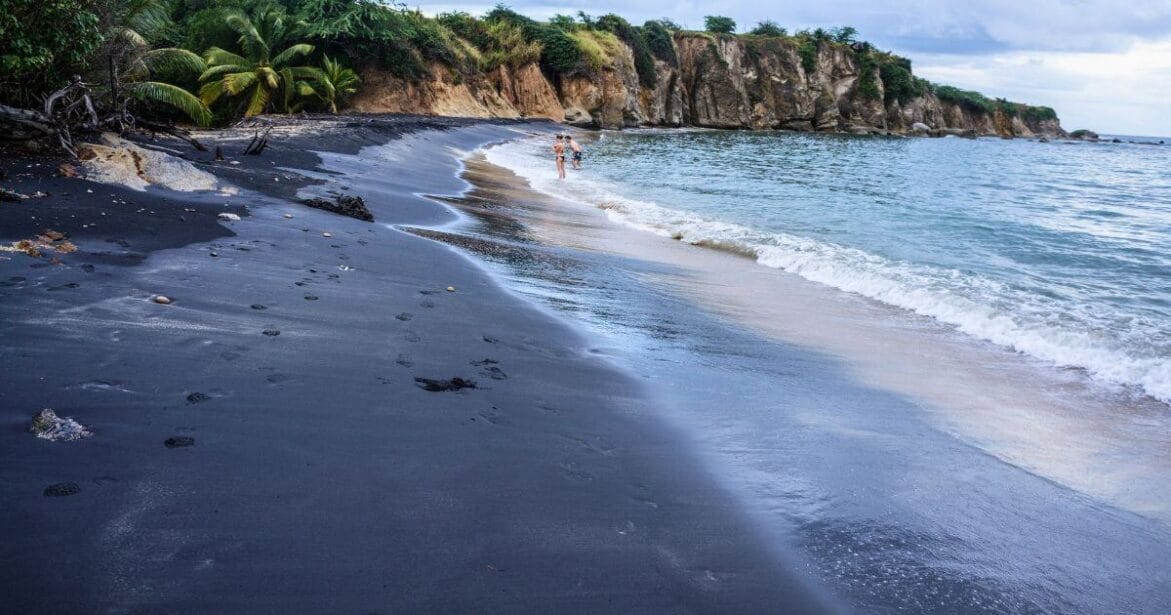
{"x": 1061, "y": 251}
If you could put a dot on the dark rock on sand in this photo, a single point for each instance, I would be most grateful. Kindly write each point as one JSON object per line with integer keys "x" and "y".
{"x": 271, "y": 332}
{"x": 197, "y": 397}
{"x": 179, "y": 442}
{"x": 257, "y": 306}
{"x": 58, "y": 490}
{"x": 435, "y": 386}
{"x": 352, "y": 206}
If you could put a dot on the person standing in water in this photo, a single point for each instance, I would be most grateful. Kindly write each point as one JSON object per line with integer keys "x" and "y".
{"x": 559, "y": 152}
{"x": 576, "y": 149}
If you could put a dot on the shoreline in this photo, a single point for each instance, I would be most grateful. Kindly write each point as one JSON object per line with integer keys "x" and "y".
{"x": 763, "y": 405}
{"x": 321, "y": 474}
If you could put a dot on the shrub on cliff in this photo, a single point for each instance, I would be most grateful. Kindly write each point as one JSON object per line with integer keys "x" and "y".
{"x": 768, "y": 27}
{"x": 898, "y": 82}
{"x": 807, "y": 49}
{"x": 968, "y": 99}
{"x": 644, "y": 61}
{"x": 718, "y": 24}
{"x": 660, "y": 41}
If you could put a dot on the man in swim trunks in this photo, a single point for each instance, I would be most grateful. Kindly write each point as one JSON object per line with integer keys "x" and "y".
{"x": 576, "y": 149}
{"x": 559, "y": 153}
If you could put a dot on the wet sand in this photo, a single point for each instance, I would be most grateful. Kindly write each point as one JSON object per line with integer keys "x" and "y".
{"x": 309, "y": 468}
{"x": 913, "y": 470}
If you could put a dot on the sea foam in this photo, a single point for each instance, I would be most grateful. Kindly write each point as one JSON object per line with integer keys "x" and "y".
{"x": 1063, "y": 334}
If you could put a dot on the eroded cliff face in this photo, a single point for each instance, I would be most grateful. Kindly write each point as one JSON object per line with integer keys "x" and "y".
{"x": 716, "y": 82}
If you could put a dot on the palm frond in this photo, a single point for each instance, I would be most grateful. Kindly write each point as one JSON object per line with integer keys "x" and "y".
{"x": 211, "y": 91}
{"x": 270, "y": 77}
{"x": 258, "y": 103}
{"x": 147, "y": 18}
{"x": 223, "y": 69}
{"x": 215, "y": 55}
{"x": 174, "y": 96}
{"x": 251, "y": 42}
{"x": 129, "y": 36}
{"x": 288, "y": 88}
{"x": 235, "y": 83}
{"x": 282, "y": 58}
{"x": 172, "y": 59}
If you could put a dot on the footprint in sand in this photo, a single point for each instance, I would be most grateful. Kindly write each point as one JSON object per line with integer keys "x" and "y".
{"x": 493, "y": 417}
{"x": 427, "y": 304}
{"x": 411, "y": 336}
{"x": 404, "y": 361}
{"x": 569, "y": 471}
{"x": 405, "y": 316}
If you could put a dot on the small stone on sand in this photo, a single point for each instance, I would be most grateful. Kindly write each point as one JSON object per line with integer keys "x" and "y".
{"x": 229, "y": 217}
{"x": 327, "y": 234}
{"x": 179, "y": 442}
{"x": 162, "y": 299}
{"x": 451, "y": 289}
{"x": 271, "y": 332}
{"x": 62, "y": 489}
{"x": 288, "y": 215}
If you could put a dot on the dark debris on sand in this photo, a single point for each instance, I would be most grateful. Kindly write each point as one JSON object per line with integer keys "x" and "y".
{"x": 436, "y": 386}
{"x": 352, "y": 206}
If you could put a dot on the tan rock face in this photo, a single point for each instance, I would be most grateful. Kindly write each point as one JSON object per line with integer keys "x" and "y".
{"x": 527, "y": 90}
{"x": 609, "y": 99}
{"x": 719, "y": 82}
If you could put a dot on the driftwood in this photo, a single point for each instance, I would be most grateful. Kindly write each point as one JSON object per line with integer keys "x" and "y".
{"x": 71, "y": 110}
{"x": 258, "y": 143}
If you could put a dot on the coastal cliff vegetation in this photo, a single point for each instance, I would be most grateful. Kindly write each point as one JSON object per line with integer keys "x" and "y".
{"x": 215, "y": 61}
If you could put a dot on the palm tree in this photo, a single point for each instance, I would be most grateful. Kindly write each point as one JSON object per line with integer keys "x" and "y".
{"x": 335, "y": 84}
{"x": 257, "y": 74}
{"x": 133, "y": 62}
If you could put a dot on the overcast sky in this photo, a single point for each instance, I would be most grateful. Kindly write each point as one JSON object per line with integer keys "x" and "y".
{"x": 1104, "y": 65}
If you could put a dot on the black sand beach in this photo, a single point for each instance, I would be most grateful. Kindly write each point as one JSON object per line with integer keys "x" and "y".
{"x": 269, "y": 442}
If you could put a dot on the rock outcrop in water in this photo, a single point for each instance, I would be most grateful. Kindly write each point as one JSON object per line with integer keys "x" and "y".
{"x": 714, "y": 81}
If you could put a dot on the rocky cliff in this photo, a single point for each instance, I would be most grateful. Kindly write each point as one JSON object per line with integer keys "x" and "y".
{"x": 712, "y": 81}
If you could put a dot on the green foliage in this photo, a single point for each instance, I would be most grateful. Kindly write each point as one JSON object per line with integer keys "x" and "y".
{"x": 768, "y": 27}
{"x": 333, "y": 85}
{"x": 868, "y": 67}
{"x": 565, "y": 22}
{"x": 259, "y": 75}
{"x": 807, "y": 49}
{"x": 660, "y": 41}
{"x": 718, "y": 24}
{"x": 644, "y": 60}
{"x": 968, "y": 99}
{"x": 172, "y": 96}
{"x": 898, "y": 81}
{"x": 43, "y": 42}
{"x": 845, "y": 35}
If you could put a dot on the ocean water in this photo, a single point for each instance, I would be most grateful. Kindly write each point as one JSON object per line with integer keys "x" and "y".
{"x": 1058, "y": 251}
{"x": 934, "y": 371}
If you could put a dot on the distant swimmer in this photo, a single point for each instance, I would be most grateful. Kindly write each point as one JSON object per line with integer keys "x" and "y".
{"x": 576, "y": 148}
{"x": 559, "y": 152}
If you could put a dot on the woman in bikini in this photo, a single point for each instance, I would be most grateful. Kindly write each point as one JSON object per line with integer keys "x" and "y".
{"x": 559, "y": 152}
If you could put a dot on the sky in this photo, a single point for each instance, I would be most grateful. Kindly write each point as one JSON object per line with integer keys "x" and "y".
{"x": 1103, "y": 65}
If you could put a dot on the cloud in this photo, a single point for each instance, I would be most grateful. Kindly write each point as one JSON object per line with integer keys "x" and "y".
{"x": 1117, "y": 92}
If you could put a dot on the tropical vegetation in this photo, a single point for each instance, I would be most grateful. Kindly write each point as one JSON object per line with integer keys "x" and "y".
{"x": 208, "y": 61}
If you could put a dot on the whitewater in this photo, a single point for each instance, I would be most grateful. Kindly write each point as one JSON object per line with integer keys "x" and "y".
{"x": 1058, "y": 251}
